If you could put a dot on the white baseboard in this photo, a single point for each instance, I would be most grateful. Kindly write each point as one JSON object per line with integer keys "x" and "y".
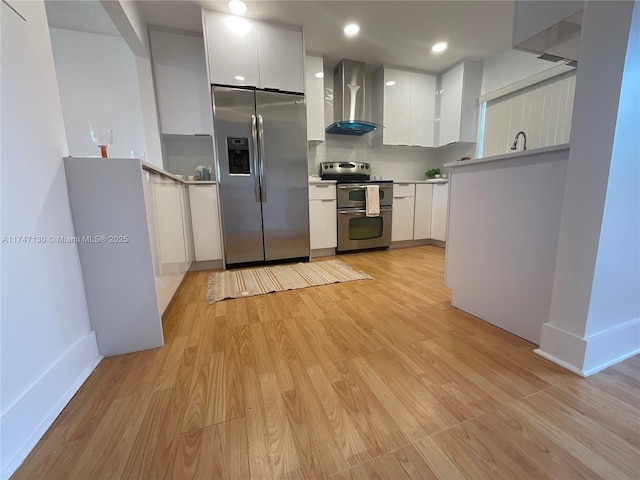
{"x": 612, "y": 346}
{"x": 557, "y": 361}
{"x": 24, "y": 423}
{"x": 562, "y": 347}
{"x": 586, "y": 356}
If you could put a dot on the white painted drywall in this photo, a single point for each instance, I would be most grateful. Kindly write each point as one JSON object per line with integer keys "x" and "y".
{"x": 511, "y": 66}
{"x": 502, "y": 238}
{"x": 615, "y": 297}
{"x": 98, "y": 83}
{"x": 533, "y": 17}
{"x": 146, "y": 88}
{"x": 543, "y": 111}
{"x": 48, "y": 348}
{"x": 586, "y": 266}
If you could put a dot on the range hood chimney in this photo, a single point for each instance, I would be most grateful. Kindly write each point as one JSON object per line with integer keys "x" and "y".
{"x": 348, "y": 100}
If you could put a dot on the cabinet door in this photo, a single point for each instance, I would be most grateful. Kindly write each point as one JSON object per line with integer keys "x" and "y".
{"x": 451, "y": 105}
{"x": 323, "y": 223}
{"x": 232, "y": 48}
{"x": 423, "y": 110}
{"x": 182, "y": 88}
{"x": 205, "y": 221}
{"x": 314, "y": 90}
{"x": 187, "y": 226}
{"x": 402, "y": 224}
{"x": 280, "y": 58}
{"x": 397, "y": 105}
{"x": 439, "y": 212}
{"x": 170, "y": 224}
{"x": 422, "y": 214}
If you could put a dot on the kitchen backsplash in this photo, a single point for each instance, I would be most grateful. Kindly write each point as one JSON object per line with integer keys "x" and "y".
{"x": 390, "y": 162}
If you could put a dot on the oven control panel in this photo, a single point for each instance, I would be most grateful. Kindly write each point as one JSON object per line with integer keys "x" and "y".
{"x": 345, "y": 168}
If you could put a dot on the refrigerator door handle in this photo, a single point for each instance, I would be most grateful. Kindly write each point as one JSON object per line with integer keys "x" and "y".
{"x": 254, "y": 136}
{"x": 263, "y": 184}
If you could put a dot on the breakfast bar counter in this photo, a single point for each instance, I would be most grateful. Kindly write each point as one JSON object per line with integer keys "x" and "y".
{"x": 503, "y": 224}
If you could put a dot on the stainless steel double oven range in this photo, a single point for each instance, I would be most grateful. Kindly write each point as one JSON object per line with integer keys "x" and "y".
{"x": 356, "y": 231}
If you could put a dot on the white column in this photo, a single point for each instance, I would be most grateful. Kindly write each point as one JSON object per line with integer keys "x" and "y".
{"x": 595, "y": 309}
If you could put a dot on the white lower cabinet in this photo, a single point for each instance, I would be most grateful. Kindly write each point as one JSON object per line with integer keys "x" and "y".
{"x": 403, "y": 212}
{"x": 422, "y": 214}
{"x": 205, "y": 222}
{"x": 419, "y": 211}
{"x": 439, "y": 211}
{"x": 322, "y": 216}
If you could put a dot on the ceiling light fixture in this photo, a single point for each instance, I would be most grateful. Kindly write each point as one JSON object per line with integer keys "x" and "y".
{"x": 237, "y": 6}
{"x": 319, "y": 75}
{"x": 390, "y": 83}
{"x": 439, "y": 47}
{"x": 240, "y": 78}
{"x": 352, "y": 29}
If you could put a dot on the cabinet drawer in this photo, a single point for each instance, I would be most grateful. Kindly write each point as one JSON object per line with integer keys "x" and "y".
{"x": 404, "y": 189}
{"x": 322, "y": 192}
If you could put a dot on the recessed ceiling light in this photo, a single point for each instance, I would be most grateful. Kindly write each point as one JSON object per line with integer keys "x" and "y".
{"x": 352, "y": 29}
{"x": 319, "y": 75}
{"x": 439, "y": 47}
{"x": 240, "y": 78}
{"x": 238, "y": 25}
{"x": 237, "y": 6}
{"x": 390, "y": 83}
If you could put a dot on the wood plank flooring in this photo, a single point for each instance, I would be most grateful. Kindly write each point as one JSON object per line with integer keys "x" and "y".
{"x": 369, "y": 379}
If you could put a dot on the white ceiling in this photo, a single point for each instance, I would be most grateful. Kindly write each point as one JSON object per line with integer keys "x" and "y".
{"x": 396, "y": 33}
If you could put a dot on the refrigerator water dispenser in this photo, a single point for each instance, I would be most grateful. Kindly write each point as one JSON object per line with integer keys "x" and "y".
{"x": 238, "y": 153}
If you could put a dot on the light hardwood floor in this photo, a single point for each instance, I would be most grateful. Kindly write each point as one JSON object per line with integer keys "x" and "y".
{"x": 368, "y": 379}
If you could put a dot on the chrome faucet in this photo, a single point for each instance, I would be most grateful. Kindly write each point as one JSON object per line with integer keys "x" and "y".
{"x": 515, "y": 142}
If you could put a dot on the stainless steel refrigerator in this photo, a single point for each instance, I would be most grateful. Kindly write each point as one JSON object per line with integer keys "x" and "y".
{"x": 261, "y": 144}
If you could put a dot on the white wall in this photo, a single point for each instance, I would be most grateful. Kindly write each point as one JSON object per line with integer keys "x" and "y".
{"x": 615, "y": 297}
{"x": 390, "y": 162}
{"x": 98, "y": 83}
{"x": 48, "y": 348}
{"x": 127, "y": 18}
{"x": 543, "y": 111}
{"x": 509, "y": 67}
{"x": 183, "y": 154}
{"x": 590, "y": 275}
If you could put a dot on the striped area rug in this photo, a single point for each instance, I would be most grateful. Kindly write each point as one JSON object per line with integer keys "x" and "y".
{"x": 256, "y": 281}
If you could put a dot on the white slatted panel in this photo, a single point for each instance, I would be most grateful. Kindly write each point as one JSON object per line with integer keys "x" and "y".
{"x": 543, "y": 111}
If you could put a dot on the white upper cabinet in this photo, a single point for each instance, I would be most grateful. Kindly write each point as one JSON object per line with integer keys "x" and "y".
{"x": 459, "y": 107}
{"x": 423, "y": 110}
{"x": 404, "y": 103}
{"x": 280, "y": 58}
{"x": 251, "y": 53}
{"x": 396, "y": 106}
{"x": 314, "y": 89}
{"x": 181, "y": 83}
{"x": 232, "y": 49}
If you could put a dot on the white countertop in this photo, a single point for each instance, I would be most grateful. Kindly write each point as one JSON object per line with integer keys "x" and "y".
{"x": 153, "y": 168}
{"x": 508, "y": 156}
{"x": 435, "y": 180}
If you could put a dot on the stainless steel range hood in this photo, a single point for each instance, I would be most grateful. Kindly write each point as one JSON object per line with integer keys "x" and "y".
{"x": 348, "y": 100}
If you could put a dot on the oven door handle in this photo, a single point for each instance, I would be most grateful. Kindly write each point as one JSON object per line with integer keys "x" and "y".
{"x": 353, "y": 210}
{"x": 352, "y": 186}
